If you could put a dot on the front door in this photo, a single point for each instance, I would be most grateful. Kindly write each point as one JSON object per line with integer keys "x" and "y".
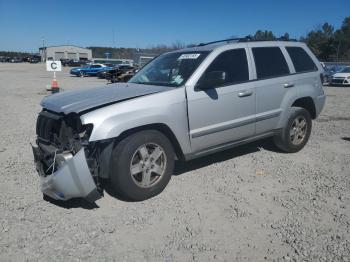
{"x": 224, "y": 111}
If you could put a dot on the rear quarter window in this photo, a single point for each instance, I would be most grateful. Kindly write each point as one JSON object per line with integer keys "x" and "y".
{"x": 269, "y": 62}
{"x": 301, "y": 60}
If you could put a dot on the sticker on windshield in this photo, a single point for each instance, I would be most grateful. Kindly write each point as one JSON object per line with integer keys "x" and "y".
{"x": 188, "y": 56}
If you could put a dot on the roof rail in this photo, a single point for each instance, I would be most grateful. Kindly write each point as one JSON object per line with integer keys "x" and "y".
{"x": 247, "y": 39}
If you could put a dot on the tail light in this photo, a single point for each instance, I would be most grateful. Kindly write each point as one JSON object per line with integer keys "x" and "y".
{"x": 322, "y": 78}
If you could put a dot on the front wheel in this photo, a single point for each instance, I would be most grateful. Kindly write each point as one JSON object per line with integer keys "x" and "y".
{"x": 142, "y": 165}
{"x": 296, "y": 133}
{"x": 82, "y": 74}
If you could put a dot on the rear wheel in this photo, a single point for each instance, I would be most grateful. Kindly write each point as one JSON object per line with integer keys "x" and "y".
{"x": 296, "y": 133}
{"x": 113, "y": 79}
{"x": 142, "y": 165}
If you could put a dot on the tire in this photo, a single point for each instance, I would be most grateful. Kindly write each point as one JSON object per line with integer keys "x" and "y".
{"x": 294, "y": 136}
{"x": 82, "y": 74}
{"x": 134, "y": 176}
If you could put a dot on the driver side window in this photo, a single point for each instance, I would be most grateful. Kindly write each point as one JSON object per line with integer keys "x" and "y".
{"x": 232, "y": 65}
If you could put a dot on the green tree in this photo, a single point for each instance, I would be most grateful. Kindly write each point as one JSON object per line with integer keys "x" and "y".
{"x": 321, "y": 41}
{"x": 264, "y": 35}
{"x": 342, "y": 41}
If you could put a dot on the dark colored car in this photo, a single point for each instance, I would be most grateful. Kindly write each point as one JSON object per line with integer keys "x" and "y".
{"x": 102, "y": 74}
{"x": 4, "y": 59}
{"x": 120, "y": 73}
{"x": 73, "y": 62}
{"x": 64, "y": 61}
{"x": 16, "y": 60}
{"x": 34, "y": 59}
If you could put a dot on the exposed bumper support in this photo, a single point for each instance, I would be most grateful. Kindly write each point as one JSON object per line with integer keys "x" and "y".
{"x": 71, "y": 179}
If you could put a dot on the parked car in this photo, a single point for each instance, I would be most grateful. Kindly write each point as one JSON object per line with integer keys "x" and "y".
{"x": 88, "y": 70}
{"x": 342, "y": 77}
{"x": 16, "y": 60}
{"x": 120, "y": 73}
{"x": 4, "y": 59}
{"x": 182, "y": 105}
{"x": 65, "y": 62}
{"x": 34, "y": 59}
{"x": 74, "y": 62}
{"x": 102, "y": 73}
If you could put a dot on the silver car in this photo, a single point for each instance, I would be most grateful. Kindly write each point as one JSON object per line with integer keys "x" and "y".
{"x": 182, "y": 105}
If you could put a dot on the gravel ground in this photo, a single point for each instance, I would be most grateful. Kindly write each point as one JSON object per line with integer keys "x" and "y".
{"x": 247, "y": 204}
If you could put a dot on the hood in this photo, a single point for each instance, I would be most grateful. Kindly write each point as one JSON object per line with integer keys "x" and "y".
{"x": 85, "y": 99}
{"x": 341, "y": 75}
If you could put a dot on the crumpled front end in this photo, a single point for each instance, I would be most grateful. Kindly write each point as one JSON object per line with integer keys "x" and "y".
{"x": 62, "y": 158}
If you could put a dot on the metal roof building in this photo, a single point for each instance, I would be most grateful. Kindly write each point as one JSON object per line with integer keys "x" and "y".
{"x": 65, "y": 52}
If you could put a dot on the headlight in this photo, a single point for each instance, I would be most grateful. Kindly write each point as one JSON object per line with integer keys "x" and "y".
{"x": 85, "y": 131}
{"x": 348, "y": 77}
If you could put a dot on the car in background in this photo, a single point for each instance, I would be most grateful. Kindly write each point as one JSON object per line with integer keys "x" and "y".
{"x": 16, "y": 60}
{"x": 64, "y": 61}
{"x": 88, "y": 70}
{"x": 4, "y": 59}
{"x": 73, "y": 62}
{"x": 327, "y": 74}
{"x": 120, "y": 73}
{"x": 34, "y": 59}
{"x": 342, "y": 77}
{"x": 110, "y": 67}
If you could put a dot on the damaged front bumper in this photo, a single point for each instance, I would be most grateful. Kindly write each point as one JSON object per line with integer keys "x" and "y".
{"x": 70, "y": 178}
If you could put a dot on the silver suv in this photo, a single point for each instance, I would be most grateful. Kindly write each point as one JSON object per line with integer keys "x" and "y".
{"x": 182, "y": 105}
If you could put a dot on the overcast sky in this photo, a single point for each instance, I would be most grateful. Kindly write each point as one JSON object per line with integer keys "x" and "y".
{"x": 23, "y": 24}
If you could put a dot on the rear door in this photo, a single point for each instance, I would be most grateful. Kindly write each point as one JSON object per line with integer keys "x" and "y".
{"x": 272, "y": 74}
{"x": 224, "y": 112}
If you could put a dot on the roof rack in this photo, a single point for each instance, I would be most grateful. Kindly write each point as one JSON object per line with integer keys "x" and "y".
{"x": 247, "y": 39}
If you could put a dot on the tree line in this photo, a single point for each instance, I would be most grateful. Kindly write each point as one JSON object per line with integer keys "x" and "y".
{"x": 326, "y": 42}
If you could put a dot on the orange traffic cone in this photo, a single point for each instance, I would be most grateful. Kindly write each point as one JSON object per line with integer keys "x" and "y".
{"x": 54, "y": 86}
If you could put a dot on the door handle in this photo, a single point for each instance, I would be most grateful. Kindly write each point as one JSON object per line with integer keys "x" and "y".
{"x": 245, "y": 93}
{"x": 288, "y": 85}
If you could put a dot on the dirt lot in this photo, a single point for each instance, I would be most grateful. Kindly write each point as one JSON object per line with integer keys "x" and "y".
{"x": 247, "y": 204}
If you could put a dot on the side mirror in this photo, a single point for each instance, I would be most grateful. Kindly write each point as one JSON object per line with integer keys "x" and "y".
{"x": 211, "y": 79}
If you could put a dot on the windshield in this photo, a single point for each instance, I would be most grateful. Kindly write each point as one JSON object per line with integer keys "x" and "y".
{"x": 346, "y": 70}
{"x": 172, "y": 69}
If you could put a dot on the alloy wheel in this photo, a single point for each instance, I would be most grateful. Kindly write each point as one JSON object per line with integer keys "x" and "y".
{"x": 298, "y": 130}
{"x": 148, "y": 165}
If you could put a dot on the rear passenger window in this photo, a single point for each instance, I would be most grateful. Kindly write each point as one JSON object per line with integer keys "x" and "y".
{"x": 235, "y": 65}
{"x": 269, "y": 62}
{"x": 301, "y": 60}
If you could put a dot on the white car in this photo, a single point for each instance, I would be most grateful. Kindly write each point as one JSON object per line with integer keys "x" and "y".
{"x": 342, "y": 77}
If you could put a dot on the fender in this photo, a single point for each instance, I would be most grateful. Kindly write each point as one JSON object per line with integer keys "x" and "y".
{"x": 168, "y": 108}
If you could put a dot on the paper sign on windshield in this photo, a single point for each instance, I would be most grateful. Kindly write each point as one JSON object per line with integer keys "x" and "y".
{"x": 188, "y": 56}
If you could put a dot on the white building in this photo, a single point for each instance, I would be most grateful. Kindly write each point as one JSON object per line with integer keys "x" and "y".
{"x": 65, "y": 52}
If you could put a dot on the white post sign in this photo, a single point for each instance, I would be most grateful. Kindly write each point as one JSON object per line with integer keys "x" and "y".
{"x": 53, "y": 66}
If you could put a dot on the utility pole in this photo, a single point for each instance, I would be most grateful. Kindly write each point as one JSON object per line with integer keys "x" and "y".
{"x": 43, "y": 48}
{"x": 113, "y": 38}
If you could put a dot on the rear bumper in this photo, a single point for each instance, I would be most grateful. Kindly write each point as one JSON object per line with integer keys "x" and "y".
{"x": 71, "y": 179}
